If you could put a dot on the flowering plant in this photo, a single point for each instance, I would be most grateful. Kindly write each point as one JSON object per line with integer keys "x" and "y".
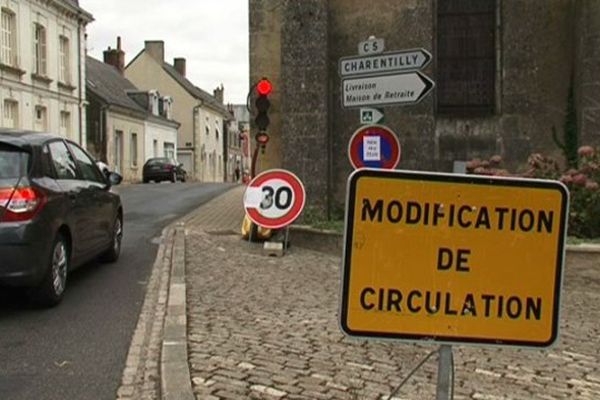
{"x": 583, "y": 183}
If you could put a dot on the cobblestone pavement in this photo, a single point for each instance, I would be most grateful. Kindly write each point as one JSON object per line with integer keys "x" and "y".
{"x": 266, "y": 328}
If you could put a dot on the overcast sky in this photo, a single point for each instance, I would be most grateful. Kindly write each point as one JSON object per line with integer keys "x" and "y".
{"x": 212, "y": 35}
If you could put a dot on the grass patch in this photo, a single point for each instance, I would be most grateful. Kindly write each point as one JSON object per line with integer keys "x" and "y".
{"x": 576, "y": 240}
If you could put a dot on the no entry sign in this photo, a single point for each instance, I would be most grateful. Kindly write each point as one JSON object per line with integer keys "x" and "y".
{"x": 274, "y": 198}
{"x": 453, "y": 258}
{"x": 374, "y": 146}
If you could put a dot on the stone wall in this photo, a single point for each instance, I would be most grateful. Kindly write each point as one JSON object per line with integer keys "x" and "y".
{"x": 541, "y": 45}
{"x": 588, "y": 70}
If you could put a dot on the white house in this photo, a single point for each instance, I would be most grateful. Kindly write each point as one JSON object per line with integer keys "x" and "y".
{"x": 42, "y": 66}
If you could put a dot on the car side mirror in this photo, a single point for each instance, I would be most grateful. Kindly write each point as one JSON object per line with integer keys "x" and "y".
{"x": 114, "y": 178}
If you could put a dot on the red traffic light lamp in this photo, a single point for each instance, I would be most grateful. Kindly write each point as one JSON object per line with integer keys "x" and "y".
{"x": 264, "y": 88}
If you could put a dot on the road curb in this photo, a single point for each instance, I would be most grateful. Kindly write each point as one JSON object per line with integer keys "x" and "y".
{"x": 140, "y": 376}
{"x": 174, "y": 368}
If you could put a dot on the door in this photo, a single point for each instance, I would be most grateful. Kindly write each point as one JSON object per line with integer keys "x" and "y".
{"x": 78, "y": 214}
{"x": 119, "y": 152}
{"x": 98, "y": 198}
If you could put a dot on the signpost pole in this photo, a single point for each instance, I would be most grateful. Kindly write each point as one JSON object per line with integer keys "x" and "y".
{"x": 286, "y": 238}
{"x": 445, "y": 369}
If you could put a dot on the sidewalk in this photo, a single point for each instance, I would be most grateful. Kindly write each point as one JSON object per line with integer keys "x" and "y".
{"x": 266, "y": 328}
{"x": 220, "y": 321}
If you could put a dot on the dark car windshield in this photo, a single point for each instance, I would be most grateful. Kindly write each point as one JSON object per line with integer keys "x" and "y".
{"x": 13, "y": 162}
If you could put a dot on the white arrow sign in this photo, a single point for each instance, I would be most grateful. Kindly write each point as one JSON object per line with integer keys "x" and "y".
{"x": 400, "y": 89}
{"x": 405, "y": 60}
{"x": 370, "y": 116}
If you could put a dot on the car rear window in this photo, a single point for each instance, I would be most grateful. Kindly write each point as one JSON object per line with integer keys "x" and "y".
{"x": 13, "y": 162}
{"x": 155, "y": 161}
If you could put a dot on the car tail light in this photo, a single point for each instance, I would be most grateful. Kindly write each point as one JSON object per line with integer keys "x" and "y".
{"x": 170, "y": 167}
{"x": 20, "y": 204}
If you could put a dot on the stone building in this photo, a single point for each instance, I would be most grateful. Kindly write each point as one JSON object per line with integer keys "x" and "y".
{"x": 238, "y": 150}
{"x": 42, "y": 66}
{"x": 503, "y": 71}
{"x": 203, "y": 116}
{"x": 125, "y": 125}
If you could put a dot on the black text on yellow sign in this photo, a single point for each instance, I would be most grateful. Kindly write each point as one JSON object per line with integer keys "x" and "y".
{"x": 453, "y": 258}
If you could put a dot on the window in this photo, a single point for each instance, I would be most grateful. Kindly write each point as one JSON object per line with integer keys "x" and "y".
{"x": 466, "y": 54}
{"x": 86, "y": 165}
{"x": 155, "y": 148}
{"x": 64, "y": 60}
{"x": 217, "y": 133}
{"x": 207, "y": 130}
{"x": 169, "y": 150}
{"x": 8, "y": 53}
{"x": 134, "y": 150}
{"x": 64, "y": 165}
{"x": 65, "y": 123}
{"x": 40, "y": 118}
{"x": 11, "y": 114}
{"x": 39, "y": 50}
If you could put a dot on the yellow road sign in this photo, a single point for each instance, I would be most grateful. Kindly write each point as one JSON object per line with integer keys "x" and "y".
{"x": 453, "y": 258}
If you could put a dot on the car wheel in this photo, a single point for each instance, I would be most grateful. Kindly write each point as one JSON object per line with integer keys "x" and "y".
{"x": 50, "y": 292}
{"x": 145, "y": 180}
{"x": 112, "y": 254}
{"x": 174, "y": 177}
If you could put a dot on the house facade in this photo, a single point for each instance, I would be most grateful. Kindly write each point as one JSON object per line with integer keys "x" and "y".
{"x": 238, "y": 150}
{"x": 42, "y": 66}
{"x": 126, "y": 126}
{"x": 202, "y": 116}
{"x": 503, "y": 73}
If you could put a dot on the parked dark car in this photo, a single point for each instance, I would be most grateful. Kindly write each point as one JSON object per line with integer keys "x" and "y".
{"x": 57, "y": 211}
{"x": 163, "y": 169}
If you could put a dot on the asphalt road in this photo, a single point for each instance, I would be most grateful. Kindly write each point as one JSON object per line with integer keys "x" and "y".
{"x": 78, "y": 349}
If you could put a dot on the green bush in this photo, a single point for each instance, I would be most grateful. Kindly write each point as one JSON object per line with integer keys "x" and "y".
{"x": 583, "y": 183}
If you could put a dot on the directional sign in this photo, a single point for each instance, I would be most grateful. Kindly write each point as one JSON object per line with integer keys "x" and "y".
{"x": 396, "y": 61}
{"x": 399, "y": 89}
{"x": 374, "y": 146}
{"x": 453, "y": 258}
{"x": 274, "y": 198}
{"x": 369, "y": 116}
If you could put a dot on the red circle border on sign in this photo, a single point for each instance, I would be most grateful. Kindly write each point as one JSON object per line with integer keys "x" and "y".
{"x": 362, "y": 132}
{"x": 293, "y": 213}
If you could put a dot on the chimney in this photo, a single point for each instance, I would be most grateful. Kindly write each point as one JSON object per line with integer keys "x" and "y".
{"x": 179, "y": 64}
{"x": 218, "y": 93}
{"x": 156, "y": 49}
{"x": 115, "y": 57}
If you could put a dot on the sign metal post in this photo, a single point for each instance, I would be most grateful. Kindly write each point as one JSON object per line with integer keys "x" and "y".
{"x": 445, "y": 372}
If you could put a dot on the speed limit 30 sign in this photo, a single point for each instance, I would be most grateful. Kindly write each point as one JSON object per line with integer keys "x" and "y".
{"x": 274, "y": 198}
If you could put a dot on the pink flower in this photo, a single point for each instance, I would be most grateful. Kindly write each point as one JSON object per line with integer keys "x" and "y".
{"x": 591, "y": 185}
{"x": 571, "y": 172}
{"x": 566, "y": 179}
{"x": 495, "y": 160}
{"x": 535, "y": 159}
{"x": 580, "y": 180}
{"x": 473, "y": 164}
{"x": 586, "y": 151}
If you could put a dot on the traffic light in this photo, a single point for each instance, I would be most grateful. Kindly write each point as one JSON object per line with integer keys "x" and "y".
{"x": 263, "y": 88}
